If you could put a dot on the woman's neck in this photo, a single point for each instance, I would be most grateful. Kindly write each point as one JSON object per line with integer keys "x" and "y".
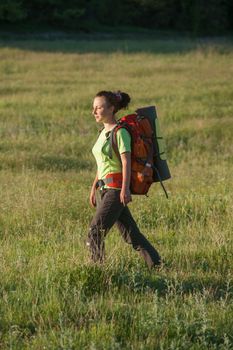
{"x": 110, "y": 125}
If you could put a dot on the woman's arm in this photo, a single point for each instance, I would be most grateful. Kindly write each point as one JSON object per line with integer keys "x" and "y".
{"x": 125, "y": 195}
{"x": 92, "y": 194}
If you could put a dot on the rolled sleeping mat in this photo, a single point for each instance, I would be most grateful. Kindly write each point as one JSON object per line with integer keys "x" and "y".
{"x": 161, "y": 171}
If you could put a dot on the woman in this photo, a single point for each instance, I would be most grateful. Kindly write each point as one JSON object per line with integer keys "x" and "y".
{"x": 113, "y": 182}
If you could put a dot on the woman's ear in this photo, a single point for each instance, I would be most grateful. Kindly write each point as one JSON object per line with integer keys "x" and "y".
{"x": 112, "y": 108}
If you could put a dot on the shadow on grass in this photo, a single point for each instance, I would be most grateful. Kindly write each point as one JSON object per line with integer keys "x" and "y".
{"x": 109, "y": 43}
{"x": 94, "y": 280}
{"x": 59, "y": 163}
{"x": 48, "y": 163}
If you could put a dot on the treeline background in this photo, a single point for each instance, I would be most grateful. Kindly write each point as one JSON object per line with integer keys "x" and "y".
{"x": 194, "y": 16}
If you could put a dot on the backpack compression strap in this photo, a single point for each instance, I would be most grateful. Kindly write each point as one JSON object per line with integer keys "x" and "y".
{"x": 160, "y": 181}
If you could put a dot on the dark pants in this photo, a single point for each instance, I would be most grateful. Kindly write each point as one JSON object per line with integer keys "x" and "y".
{"x": 110, "y": 211}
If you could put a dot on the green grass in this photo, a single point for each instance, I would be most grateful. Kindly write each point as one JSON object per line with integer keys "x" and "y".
{"x": 52, "y": 296}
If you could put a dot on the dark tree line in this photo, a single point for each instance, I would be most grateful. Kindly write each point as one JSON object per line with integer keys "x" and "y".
{"x": 196, "y": 16}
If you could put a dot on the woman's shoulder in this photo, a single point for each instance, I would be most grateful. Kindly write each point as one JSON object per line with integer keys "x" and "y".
{"x": 123, "y": 133}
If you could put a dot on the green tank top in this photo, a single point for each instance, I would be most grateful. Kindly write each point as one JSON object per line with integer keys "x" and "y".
{"x": 105, "y": 165}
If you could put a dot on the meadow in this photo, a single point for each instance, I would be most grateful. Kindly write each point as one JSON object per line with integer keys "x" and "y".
{"x": 52, "y": 296}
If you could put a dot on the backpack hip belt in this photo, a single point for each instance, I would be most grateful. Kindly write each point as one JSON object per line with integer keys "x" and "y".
{"x": 111, "y": 180}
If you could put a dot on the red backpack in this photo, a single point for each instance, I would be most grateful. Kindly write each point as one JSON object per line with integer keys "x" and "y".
{"x": 148, "y": 163}
{"x": 141, "y": 134}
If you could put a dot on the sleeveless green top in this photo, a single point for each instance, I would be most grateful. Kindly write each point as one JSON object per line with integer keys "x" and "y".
{"x": 106, "y": 165}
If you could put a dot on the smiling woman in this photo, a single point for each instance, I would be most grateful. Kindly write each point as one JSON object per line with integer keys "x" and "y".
{"x": 112, "y": 181}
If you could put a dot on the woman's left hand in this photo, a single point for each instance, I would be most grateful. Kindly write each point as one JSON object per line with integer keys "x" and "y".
{"x": 125, "y": 196}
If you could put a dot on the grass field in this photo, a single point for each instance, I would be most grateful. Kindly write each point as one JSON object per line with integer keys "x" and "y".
{"x": 52, "y": 297}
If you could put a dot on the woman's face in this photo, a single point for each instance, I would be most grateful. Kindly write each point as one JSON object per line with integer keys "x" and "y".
{"x": 102, "y": 112}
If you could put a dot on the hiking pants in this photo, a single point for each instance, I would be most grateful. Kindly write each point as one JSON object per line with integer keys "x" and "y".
{"x": 110, "y": 211}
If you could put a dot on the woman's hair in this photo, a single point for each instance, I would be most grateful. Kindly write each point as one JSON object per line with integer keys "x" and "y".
{"x": 117, "y": 99}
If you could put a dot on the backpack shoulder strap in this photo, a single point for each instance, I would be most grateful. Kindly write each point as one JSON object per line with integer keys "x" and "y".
{"x": 113, "y": 142}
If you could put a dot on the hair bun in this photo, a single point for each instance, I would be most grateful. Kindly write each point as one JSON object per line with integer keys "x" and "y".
{"x": 123, "y": 99}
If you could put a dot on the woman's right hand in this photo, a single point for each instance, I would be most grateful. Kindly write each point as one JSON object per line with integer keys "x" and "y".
{"x": 93, "y": 198}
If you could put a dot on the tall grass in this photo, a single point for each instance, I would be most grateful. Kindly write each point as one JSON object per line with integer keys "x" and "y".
{"x": 52, "y": 296}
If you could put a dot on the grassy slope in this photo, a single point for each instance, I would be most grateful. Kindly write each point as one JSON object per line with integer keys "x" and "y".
{"x": 51, "y": 296}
